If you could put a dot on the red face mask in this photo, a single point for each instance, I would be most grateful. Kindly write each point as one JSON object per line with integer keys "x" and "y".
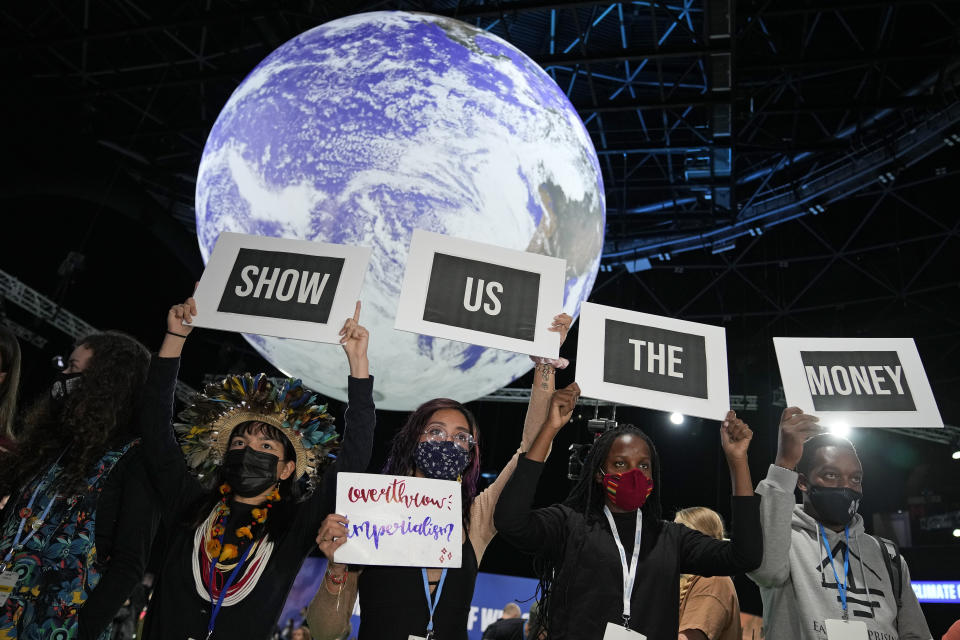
{"x": 628, "y": 490}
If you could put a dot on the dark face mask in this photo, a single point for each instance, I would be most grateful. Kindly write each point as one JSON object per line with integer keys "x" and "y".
{"x": 64, "y": 385}
{"x": 249, "y": 473}
{"x": 834, "y": 505}
{"x": 441, "y": 460}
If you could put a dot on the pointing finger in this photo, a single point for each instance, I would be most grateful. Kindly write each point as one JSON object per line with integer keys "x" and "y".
{"x": 356, "y": 312}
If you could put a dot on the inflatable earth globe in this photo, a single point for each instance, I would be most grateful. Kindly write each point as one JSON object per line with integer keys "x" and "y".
{"x": 365, "y": 128}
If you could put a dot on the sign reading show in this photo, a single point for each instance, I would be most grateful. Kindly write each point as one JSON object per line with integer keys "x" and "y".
{"x": 481, "y": 294}
{"x": 652, "y": 361}
{"x": 861, "y": 382}
{"x": 400, "y": 520}
{"x": 285, "y": 288}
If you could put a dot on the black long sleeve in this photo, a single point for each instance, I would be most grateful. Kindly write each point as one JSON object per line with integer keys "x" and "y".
{"x": 705, "y": 556}
{"x": 129, "y": 506}
{"x": 174, "y": 484}
{"x": 355, "y": 451}
{"x": 528, "y": 529}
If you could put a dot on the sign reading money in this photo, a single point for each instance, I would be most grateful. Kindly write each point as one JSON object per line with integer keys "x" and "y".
{"x": 481, "y": 294}
{"x": 400, "y": 520}
{"x": 279, "y": 287}
{"x": 651, "y": 361}
{"x": 859, "y": 382}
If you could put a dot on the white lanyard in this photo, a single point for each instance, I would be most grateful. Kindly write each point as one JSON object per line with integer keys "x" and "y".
{"x": 629, "y": 571}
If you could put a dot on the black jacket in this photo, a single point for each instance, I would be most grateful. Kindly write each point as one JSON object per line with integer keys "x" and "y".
{"x": 588, "y": 589}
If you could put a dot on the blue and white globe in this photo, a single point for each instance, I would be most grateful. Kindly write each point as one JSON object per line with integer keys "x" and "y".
{"x": 364, "y": 128}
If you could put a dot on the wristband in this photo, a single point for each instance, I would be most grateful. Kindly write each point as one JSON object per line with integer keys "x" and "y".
{"x": 179, "y": 335}
{"x": 559, "y": 363}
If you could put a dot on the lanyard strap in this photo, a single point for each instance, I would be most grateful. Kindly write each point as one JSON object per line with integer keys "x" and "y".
{"x": 223, "y": 592}
{"x": 629, "y": 571}
{"x": 842, "y": 588}
{"x": 17, "y": 543}
{"x": 432, "y": 601}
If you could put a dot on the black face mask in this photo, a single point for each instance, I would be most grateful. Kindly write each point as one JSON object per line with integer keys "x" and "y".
{"x": 249, "y": 473}
{"x": 64, "y": 385}
{"x": 834, "y": 505}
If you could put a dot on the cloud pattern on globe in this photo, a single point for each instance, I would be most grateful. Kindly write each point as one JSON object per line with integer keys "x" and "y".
{"x": 364, "y": 128}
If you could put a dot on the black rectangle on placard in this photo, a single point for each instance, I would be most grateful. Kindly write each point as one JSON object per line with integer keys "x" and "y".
{"x": 471, "y": 294}
{"x": 655, "y": 359}
{"x": 277, "y": 284}
{"x": 856, "y": 381}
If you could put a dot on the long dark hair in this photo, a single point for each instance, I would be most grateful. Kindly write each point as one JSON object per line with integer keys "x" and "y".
{"x": 403, "y": 450}
{"x": 9, "y": 364}
{"x": 89, "y": 420}
{"x": 587, "y": 498}
{"x": 291, "y": 489}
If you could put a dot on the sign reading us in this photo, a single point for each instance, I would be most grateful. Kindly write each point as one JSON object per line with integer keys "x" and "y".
{"x": 481, "y": 296}
{"x": 282, "y": 285}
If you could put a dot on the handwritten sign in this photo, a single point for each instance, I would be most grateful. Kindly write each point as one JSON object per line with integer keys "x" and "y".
{"x": 280, "y": 287}
{"x": 859, "y": 382}
{"x": 481, "y": 294}
{"x": 400, "y": 520}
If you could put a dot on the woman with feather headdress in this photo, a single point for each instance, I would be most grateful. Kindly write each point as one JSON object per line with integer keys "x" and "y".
{"x": 242, "y": 494}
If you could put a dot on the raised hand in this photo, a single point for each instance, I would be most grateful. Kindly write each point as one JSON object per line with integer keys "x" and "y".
{"x": 179, "y": 317}
{"x": 332, "y": 534}
{"x": 562, "y": 404}
{"x": 354, "y": 338}
{"x": 795, "y": 427}
{"x": 561, "y": 324}
{"x": 735, "y": 436}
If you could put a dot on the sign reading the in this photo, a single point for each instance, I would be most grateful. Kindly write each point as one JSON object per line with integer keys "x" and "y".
{"x": 400, "y": 520}
{"x": 862, "y": 382}
{"x": 481, "y": 294}
{"x": 278, "y": 287}
{"x": 652, "y": 361}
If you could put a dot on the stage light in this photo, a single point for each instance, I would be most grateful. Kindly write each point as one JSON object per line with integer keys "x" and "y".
{"x": 676, "y": 418}
{"x": 841, "y": 429}
{"x": 956, "y": 533}
{"x": 956, "y": 454}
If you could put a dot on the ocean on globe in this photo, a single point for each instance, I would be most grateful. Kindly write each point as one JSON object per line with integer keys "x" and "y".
{"x": 362, "y": 129}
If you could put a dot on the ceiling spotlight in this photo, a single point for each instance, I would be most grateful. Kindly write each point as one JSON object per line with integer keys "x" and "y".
{"x": 956, "y": 454}
{"x": 676, "y": 418}
{"x": 956, "y": 533}
{"x": 841, "y": 429}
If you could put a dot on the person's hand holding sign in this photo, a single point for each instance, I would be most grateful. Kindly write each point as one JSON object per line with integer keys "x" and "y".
{"x": 795, "y": 427}
{"x": 562, "y": 404}
{"x": 178, "y": 328}
{"x": 354, "y": 339}
{"x": 735, "y": 436}
{"x": 561, "y": 324}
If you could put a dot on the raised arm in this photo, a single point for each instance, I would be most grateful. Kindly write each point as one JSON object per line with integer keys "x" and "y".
{"x": 175, "y": 485}
{"x": 482, "y": 528}
{"x": 328, "y": 615}
{"x": 705, "y": 556}
{"x": 527, "y": 528}
{"x": 776, "y": 507}
{"x": 359, "y": 421}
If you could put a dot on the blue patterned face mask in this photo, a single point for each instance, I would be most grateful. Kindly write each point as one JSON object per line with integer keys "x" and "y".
{"x": 441, "y": 460}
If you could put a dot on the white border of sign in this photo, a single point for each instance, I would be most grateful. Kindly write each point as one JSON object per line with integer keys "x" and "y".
{"x": 224, "y": 254}
{"x": 590, "y": 353}
{"x": 416, "y": 280}
{"x": 798, "y": 393}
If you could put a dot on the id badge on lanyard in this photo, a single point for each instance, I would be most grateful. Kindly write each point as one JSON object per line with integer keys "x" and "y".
{"x": 845, "y": 630}
{"x": 8, "y": 582}
{"x": 615, "y": 631}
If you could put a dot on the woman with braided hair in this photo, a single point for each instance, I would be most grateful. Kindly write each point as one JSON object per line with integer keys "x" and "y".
{"x": 76, "y": 534}
{"x": 608, "y": 564}
{"x": 243, "y": 500}
{"x": 709, "y": 608}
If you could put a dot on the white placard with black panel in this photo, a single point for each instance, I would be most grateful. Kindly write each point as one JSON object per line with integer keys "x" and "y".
{"x": 481, "y": 294}
{"x": 652, "y": 361}
{"x": 859, "y": 382}
{"x": 280, "y": 287}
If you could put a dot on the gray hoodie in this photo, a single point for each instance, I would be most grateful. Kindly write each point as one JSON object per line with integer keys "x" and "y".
{"x": 798, "y": 587}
